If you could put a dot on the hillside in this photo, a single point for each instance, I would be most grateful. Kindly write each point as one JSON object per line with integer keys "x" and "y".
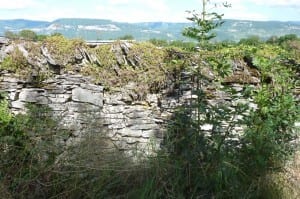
{"x": 92, "y": 29}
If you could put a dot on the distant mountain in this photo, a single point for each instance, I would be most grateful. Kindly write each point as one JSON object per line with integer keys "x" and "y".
{"x": 92, "y": 29}
{"x": 19, "y": 24}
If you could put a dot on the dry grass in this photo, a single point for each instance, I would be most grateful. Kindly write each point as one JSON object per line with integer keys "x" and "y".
{"x": 4, "y": 193}
{"x": 292, "y": 176}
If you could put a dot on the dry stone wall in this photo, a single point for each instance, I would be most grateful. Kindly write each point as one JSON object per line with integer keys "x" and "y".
{"x": 84, "y": 107}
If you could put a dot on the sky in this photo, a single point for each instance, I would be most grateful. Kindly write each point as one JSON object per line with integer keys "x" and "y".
{"x": 146, "y": 10}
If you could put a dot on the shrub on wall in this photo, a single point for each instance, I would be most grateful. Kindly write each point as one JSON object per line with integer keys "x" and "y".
{"x": 62, "y": 49}
{"x": 16, "y": 62}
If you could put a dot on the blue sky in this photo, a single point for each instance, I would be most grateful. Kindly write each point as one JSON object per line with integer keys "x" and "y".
{"x": 145, "y": 10}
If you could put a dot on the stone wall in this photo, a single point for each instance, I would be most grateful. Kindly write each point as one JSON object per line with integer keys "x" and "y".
{"x": 84, "y": 106}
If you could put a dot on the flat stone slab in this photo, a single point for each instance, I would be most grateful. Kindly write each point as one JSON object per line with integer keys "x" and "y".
{"x": 87, "y": 96}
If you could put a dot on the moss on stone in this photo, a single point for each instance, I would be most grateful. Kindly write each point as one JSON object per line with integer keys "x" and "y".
{"x": 63, "y": 50}
{"x": 105, "y": 55}
{"x": 148, "y": 54}
{"x": 16, "y": 63}
{"x": 147, "y": 66}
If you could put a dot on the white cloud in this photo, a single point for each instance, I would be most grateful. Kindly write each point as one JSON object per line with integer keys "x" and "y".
{"x": 17, "y": 4}
{"x": 288, "y": 3}
{"x": 157, "y": 5}
{"x": 238, "y": 10}
{"x": 246, "y": 16}
{"x": 138, "y": 11}
{"x": 109, "y": 27}
{"x": 118, "y": 2}
{"x": 144, "y": 10}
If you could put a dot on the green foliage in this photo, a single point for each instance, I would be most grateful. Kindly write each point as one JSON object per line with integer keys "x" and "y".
{"x": 61, "y": 45}
{"x": 33, "y": 161}
{"x": 188, "y": 46}
{"x": 29, "y": 145}
{"x": 272, "y": 40}
{"x": 251, "y": 40}
{"x": 147, "y": 68}
{"x": 268, "y": 138}
{"x": 105, "y": 54}
{"x": 56, "y": 34}
{"x": 16, "y": 62}
{"x": 184, "y": 45}
{"x": 104, "y": 73}
{"x": 147, "y": 53}
{"x": 126, "y": 37}
{"x": 61, "y": 48}
{"x": 270, "y": 133}
{"x": 204, "y": 23}
{"x": 159, "y": 42}
{"x": 10, "y": 35}
{"x": 5, "y": 116}
{"x": 28, "y": 35}
{"x": 285, "y": 38}
{"x": 94, "y": 168}
{"x": 25, "y": 35}
{"x": 221, "y": 163}
{"x": 41, "y": 37}
{"x": 201, "y": 31}
{"x": 289, "y": 42}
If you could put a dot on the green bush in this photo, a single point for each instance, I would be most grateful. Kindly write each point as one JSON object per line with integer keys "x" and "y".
{"x": 286, "y": 38}
{"x": 28, "y": 35}
{"x": 35, "y": 162}
{"x": 159, "y": 42}
{"x": 126, "y": 37}
{"x": 222, "y": 164}
{"x": 251, "y": 40}
{"x": 5, "y": 116}
{"x": 190, "y": 46}
{"x": 184, "y": 45}
{"x": 61, "y": 48}
{"x": 16, "y": 62}
{"x": 29, "y": 146}
{"x": 41, "y": 37}
{"x": 10, "y": 35}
